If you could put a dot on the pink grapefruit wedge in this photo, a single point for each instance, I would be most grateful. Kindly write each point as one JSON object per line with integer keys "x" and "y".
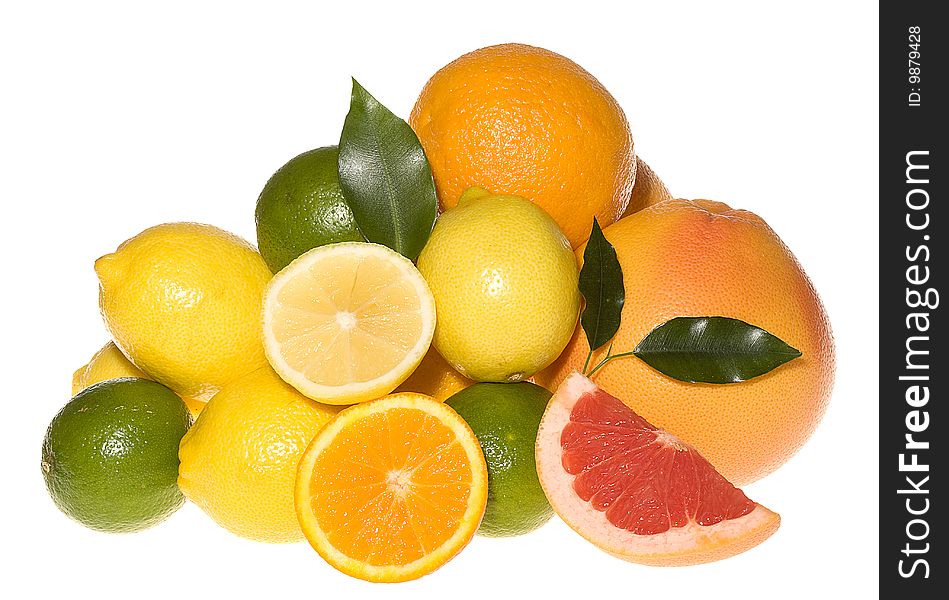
{"x": 636, "y": 491}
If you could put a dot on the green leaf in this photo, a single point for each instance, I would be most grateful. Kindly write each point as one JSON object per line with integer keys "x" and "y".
{"x": 713, "y": 350}
{"x": 601, "y": 284}
{"x": 385, "y": 176}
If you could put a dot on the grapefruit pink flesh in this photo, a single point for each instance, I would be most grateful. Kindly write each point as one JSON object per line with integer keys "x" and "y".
{"x": 644, "y": 479}
{"x": 637, "y": 491}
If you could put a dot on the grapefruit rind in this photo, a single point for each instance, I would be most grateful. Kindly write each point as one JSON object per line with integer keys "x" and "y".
{"x": 680, "y": 546}
{"x": 477, "y": 499}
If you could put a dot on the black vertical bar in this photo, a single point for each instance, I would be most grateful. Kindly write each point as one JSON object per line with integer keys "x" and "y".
{"x": 913, "y": 366}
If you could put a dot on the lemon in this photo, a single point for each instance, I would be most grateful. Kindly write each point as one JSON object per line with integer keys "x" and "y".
{"x": 505, "y": 286}
{"x": 434, "y": 377}
{"x": 182, "y": 301}
{"x": 107, "y": 363}
{"x": 347, "y": 322}
{"x": 239, "y": 460}
{"x": 110, "y": 363}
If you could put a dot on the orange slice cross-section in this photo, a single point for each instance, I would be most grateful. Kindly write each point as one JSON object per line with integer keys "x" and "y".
{"x": 392, "y": 489}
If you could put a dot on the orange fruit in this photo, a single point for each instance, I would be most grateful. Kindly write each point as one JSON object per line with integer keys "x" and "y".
{"x": 525, "y": 121}
{"x": 435, "y": 377}
{"x": 636, "y": 491}
{"x": 648, "y": 190}
{"x": 701, "y": 258}
{"x": 392, "y": 489}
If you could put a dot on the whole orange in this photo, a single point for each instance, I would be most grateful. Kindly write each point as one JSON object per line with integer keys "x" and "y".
{"x": 701, "y": 258}
{"x": 525, "y": 121}
{"x": 649, "y": 189}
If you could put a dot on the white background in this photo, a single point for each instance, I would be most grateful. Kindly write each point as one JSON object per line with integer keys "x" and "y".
{"x": 114, "y": 118}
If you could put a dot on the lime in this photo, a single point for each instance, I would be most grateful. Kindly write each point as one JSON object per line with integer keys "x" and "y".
{"x": 110, "y": 457}
{"x": 302, "y": 207}
{"x": 505, "y": 417}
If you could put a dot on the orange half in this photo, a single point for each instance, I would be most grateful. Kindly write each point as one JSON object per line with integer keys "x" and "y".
{"x": 392, "y": 489}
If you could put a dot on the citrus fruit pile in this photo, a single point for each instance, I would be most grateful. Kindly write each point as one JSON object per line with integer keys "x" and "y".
{"x": 467, "y": 322}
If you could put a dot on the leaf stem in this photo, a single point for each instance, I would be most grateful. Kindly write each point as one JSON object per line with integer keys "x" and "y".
{"x": 608, "y": 358}
{"x": 590, "y": 356}
{"x": 586, "y": 363}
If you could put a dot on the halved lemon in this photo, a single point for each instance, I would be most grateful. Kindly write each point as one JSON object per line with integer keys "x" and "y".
{"x": 347, "y": 322}
{"x": 392, "y": 489}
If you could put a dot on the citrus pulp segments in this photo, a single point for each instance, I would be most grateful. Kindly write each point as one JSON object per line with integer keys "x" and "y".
{"x": 347, "y": 322}
{"x": 312, "y": 479}
{"x": 678, "y": 546}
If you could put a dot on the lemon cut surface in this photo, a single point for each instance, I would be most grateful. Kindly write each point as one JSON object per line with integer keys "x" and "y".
{"x": 347, "y": 322}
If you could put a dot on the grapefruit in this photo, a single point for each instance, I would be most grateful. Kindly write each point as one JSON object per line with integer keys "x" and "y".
{"x": 636, "y": 491}
{"x": 702, "y": 258}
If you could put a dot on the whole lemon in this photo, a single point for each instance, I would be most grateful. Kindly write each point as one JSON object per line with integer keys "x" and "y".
{"x": 183, "y": 302}
{"x": 505, "y": 286}
{"x": 110, "y": 363}
{"x": 239, "y": 460}
{"x": 702, "y": 258}
{"x": 107, "y": 363}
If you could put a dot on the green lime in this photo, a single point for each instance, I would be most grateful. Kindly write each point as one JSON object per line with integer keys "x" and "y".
{"x": 110, "y": 457}
{"x": 505, "y": 418}
{"x": 302, "y": 207}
